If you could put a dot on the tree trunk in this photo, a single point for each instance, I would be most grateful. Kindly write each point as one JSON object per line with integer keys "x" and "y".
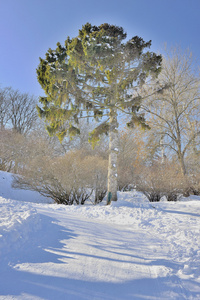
{"x": 181, "y": 160}
{"x": 183, "y": 168}
{"x": 113, "y": 153}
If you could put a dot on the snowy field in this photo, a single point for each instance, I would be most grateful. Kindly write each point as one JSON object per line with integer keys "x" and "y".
{"x": 132, "y": 249}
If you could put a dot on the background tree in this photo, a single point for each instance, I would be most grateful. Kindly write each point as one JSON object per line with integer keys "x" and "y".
{"x": 96, "y": 75}
{"x": 22, "y": 110}
{"x": 4, "y": 108}
{"x": 174, "y": 113}
{"x": 17, "y": 110}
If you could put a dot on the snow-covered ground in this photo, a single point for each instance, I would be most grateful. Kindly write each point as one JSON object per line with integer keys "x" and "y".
{"x": 131, "y": 249}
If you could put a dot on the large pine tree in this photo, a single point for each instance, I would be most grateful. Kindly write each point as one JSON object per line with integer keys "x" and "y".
{"x": 96, "y": 75}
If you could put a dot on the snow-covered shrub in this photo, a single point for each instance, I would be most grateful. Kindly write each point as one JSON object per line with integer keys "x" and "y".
{"x": 12, "y": 144}
{"x": 193, "y": 184}
{"x": 68, "y": 179}
{"x": 97, "y": 176}
{"x": 160, "y": 179}
{"x": 149, "y": 183}
{"x": 16, "y": 149}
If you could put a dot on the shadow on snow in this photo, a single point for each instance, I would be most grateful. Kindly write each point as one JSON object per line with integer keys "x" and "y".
{"x": 53, "y": 236}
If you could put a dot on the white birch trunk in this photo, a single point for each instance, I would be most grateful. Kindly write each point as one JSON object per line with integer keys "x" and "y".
{"x": 113, "y": 153}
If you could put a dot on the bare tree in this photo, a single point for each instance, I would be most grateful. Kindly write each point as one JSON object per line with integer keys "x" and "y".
{"x": 174, "y": 114}
{"x": 4, "y": 108}
{"x": 22, "y": 111}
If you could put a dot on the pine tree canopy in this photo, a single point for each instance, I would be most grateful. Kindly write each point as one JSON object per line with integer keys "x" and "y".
{"x": 94, "y": 75}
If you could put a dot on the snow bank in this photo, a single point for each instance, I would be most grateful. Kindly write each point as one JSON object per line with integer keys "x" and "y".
{"x": 17, "y": 222}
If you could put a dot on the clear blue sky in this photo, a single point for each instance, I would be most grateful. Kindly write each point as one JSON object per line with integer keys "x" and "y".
{"x": 29, "y": 27}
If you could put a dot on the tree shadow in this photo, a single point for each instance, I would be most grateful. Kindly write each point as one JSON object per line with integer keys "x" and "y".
{"x": 181, "y": 213}
{"x": 50, "y": 235}
{"x": 48, "y": 246}
{"x": 29, "y": 286}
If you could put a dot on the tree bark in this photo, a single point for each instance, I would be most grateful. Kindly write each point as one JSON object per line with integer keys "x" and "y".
{"x": 113, "y": 153}
{"x": 182, "y": 163}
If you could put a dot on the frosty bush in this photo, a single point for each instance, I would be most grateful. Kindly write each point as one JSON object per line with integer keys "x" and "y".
{"x": 160, "y": 179}
{"x": 10, "y": 150}
{"x": 193, "y": 184}
{"x": 68, "y": 179}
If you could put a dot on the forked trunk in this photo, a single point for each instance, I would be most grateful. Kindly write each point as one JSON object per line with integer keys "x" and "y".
{"x": 113, "y": 153}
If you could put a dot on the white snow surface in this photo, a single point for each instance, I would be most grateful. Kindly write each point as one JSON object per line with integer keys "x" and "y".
{"x": 131, "y": 249}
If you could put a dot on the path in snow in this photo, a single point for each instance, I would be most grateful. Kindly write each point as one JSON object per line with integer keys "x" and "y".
{"x": 71, "y": 257}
